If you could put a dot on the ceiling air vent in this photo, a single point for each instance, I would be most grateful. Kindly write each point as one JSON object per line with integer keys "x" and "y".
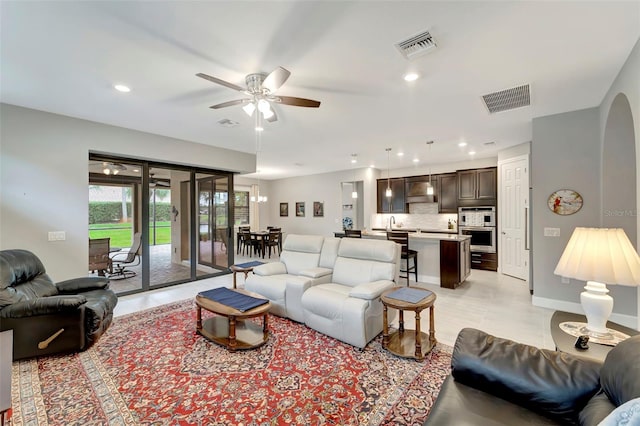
{"x": 504, "y": 100}
{"x": 417, "y": 45}
{"x": 225, "y": 122}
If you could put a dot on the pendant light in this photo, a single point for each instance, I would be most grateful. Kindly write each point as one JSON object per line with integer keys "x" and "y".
{"x": 354, "y": 192}
{"x": 429, "y": 186}
{"x": 258, "y": 129}
{"x": 388, "y": 193}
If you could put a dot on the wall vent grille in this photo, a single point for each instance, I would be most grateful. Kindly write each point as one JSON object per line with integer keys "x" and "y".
{"x": 225, "y": 122}
{"x": 504, "y": 100}
{"x": 417, "y": 45}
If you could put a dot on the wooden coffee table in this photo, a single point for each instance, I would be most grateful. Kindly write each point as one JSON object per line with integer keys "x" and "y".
{"x": 228, "y": 327}
{"x": 408, "y": 343}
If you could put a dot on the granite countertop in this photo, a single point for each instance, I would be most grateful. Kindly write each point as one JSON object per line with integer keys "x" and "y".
{"x": 419, "y": 236}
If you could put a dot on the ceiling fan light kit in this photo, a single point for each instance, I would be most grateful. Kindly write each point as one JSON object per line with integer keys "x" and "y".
{"x": 260, "y": 89}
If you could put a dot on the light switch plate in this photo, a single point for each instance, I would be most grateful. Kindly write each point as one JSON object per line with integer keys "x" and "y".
{"x": 57, "y": 236}
{"x": 551, "y": 232}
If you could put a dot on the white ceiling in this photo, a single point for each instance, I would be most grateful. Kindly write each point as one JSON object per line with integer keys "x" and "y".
{"x": 64, "y": 57}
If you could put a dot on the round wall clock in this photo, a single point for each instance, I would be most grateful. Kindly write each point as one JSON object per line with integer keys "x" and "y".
{"x": 565, "y": 202}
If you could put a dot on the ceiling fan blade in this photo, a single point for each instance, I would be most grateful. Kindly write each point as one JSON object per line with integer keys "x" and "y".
{"x": 276, "y": 79}
{"x": 301, "y": 102}
{"x": 231, "y": 103}
{"x": 274, "y": 117}
{"x": 221, "y": 82}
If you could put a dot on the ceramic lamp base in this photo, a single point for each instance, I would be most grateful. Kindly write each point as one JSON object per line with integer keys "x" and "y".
{"x": 597, "y": 306}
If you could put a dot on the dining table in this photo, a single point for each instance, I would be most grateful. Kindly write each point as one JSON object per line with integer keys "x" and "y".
{"x": 262, "y": 237}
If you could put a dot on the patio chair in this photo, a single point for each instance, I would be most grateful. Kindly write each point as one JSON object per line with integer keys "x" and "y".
{"x": 123, "y": 259}
{"x": 99, "y": 256}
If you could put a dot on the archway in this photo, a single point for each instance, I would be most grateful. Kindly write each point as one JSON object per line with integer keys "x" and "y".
{"x": 619, "y": 199}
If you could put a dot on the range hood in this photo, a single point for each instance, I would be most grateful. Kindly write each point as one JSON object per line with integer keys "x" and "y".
{"x": 417, "y": 193}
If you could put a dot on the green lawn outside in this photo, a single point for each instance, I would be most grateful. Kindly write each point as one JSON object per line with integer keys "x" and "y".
{"x": 122, "y": 237}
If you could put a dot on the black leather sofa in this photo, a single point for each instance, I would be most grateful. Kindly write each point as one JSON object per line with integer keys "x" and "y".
{"x": 48, "y": 318}
{"x": 496, "y": 381}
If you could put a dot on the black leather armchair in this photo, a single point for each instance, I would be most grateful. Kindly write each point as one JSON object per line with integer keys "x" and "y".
{"x": 49, "y": 318}
{"x": 497, "y": 381}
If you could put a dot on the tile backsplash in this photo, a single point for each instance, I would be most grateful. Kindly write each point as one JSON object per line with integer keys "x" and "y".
{"x": 421, "y": 216}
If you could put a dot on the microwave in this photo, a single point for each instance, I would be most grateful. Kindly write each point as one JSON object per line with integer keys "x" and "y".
{"x": 477, "y": 216}
{"x": 483, "y": 238}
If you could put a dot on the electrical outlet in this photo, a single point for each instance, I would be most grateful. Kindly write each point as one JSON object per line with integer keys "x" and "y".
{"x": 551, "y": 232}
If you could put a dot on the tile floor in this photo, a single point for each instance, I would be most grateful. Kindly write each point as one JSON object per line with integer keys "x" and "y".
{"x": 495, "y": 303}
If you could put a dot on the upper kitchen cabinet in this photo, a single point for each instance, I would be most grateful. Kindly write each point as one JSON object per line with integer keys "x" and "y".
{"x": 396, "y": 203}
{"x": 477, "y": 187}
{"x": 447, "y": 193}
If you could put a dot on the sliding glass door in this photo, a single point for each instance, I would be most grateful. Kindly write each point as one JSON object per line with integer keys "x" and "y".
{"x": 180, "y": 215}
{"x": 214, "y": 235}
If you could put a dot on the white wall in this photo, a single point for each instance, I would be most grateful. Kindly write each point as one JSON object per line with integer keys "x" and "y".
{"x": 627, "y": 82}
{"x": 44, "y": 178}
{"x": 567, "y": 152}
{"x": 326, "y": 188}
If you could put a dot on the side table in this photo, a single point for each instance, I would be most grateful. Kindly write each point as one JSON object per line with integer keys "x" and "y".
{"x": 408, "y": 343}
{"x": 243, "y": 267}
{"x": 565, "y": 342}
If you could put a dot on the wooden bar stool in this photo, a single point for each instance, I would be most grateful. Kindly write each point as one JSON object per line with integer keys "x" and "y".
{"x": 402, "y": 238}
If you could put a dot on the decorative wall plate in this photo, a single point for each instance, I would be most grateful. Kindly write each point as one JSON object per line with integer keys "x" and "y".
{"x": 565, "y": 202}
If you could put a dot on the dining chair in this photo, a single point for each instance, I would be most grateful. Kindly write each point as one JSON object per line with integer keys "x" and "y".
{"x": 274, "y": 240}
{"x": 406, "y": 253}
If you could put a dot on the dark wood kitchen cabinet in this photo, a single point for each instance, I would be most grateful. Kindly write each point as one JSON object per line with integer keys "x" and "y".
{"x": 448, "y": 193}
{"x": 477, "y": 187}
{"x": 455, "y": 262}
{"x": 396, "y": 203}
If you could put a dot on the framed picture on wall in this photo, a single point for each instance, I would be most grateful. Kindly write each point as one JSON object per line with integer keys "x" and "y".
{"x": 300, "y": 209}
{"x": 318, "y": 209}
{"x": 284, "y": 209}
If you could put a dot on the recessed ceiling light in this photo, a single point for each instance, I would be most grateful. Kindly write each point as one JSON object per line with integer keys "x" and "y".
{"x": 412, "y": 76}
{"x": 400, "y": 154}
{"x": 462, "y": 144}
{"x": 259, "y": 129}
{"x": 416, "y": 160}
{"x": 472, "y": 153}
{"x": 121, "y": 88}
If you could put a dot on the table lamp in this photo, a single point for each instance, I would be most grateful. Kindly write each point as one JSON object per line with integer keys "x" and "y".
{"x": 599, "y": 256}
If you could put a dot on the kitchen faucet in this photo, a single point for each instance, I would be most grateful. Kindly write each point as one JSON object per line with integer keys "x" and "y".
{"x": 391, "y": 220}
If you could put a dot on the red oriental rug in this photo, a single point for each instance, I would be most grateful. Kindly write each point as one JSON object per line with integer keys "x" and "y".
{"x": 152, "y": 368}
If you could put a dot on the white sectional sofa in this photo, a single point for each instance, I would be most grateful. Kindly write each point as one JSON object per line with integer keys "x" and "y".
{"x": 305, "y": 260}
{"x": 349, "y": 308}
{"x": 332, "y": 285}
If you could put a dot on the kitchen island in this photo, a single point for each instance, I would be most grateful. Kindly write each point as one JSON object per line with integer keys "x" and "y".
{"x": 443, "y": 258}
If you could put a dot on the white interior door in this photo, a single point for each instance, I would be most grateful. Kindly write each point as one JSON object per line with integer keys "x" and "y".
{"x": 513, "y": 217}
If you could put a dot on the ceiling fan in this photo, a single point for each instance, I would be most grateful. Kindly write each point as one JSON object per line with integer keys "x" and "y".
{"x": 260, "y": 91}
{"x": 153, "y": 182}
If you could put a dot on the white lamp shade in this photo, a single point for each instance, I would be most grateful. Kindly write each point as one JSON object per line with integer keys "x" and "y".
{"x": 249, "y": 108}
{"x": 602, "y": 255}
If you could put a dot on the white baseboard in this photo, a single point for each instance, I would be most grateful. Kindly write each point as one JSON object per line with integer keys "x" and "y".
{"x": 561, "y": 305}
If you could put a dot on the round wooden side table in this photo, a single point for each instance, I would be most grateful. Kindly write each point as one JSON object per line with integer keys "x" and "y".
{"x": 408, "y": 343}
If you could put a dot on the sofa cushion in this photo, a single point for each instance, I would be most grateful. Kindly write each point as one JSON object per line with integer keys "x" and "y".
{"x": 462, "y": 405}
{"x": 598, "y": 407}
{"x": 315, "y": 272}
{"x": 549, "y": 382}
{"x": 326, "y": 300}
{"x": 352, "y": 272}
{"x": 329, "y": 252}
{"x": 620, "y": 375}
{"x": 303, "y": 243}
{"x": 368, "y": 249}
{"x": 18, "y": 266}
